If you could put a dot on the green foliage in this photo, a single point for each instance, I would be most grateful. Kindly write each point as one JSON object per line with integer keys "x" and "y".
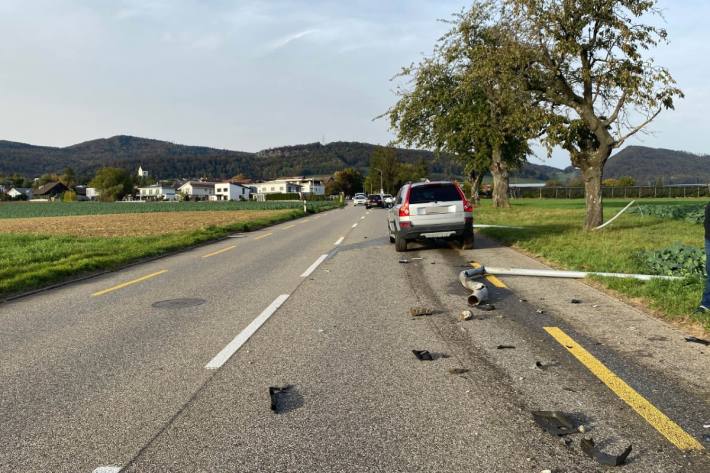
{"x": 690, "y": 213}
{"x": 69, "y": 196}
{"x": 112, "y": 183}
{"x": 676, "y": 260}
{"x": 348, "y": 181}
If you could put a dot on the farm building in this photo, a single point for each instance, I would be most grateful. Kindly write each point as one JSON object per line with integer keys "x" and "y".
{"x": 50, "y": 191}
{"x": 17, "y": 192}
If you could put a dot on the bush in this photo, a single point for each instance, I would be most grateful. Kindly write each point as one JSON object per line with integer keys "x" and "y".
{"x": 677, "y": 260}
{"x": 690, "y": 213}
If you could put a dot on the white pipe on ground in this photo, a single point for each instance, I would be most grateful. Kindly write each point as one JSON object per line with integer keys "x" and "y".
{"x": 615, "y": 216}
{"x": 550, "y": 273}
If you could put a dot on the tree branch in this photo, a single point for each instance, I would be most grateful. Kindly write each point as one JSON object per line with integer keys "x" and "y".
{"x": 621, "y": 140}
{"x": 615, "y": 114}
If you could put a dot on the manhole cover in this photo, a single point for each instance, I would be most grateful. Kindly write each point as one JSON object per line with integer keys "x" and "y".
{"x": 178, "y": 303}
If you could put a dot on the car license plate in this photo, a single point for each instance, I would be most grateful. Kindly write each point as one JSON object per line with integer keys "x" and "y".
{"x": 436, "y": 210}
{"x": 437, "y": 234}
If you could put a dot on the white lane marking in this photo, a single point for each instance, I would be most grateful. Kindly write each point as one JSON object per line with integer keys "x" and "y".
{"x": 340, "y": 240}
{"x": 362, "y": 218}
{"x": 313, "y": 267}
{"x": 245, "y": 334}
{"x": 354, "y": 225}
{"x": 107, "y": 469}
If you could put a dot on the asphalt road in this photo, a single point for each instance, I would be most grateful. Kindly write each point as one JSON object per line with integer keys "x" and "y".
{"x": 96, "y": 376}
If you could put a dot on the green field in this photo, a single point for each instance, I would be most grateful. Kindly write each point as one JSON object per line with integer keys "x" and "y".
{"x": 33, "y": 261}
{"x": 552, "y": 230}
{"x": 62, "y": 209}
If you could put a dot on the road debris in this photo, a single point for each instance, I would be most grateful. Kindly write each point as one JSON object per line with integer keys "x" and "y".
{"x": 404, "y": 261}
{"x": 465, "y": 315}
{"x": 458, "y": 370}
{"x": 540, "y": 311}
{"x": 505, "y": 347}
{"x": 423, "y": 355}
{"x": 551, "y": 273}
{"x": 543, "y": 366}
{"x": 277, "y": 393}
{"x": 615, "y": 216}
{"x": 486, "y": 307}
{"x": 418, "y": 258}
{"x": 479, "y": 291}
{"x": 575, "y": 301}
{"x": 420, "y": 311}
{"x": 588, "y": 447}
{"x": 554, "y": 422}
{"x": 697, "y": 340}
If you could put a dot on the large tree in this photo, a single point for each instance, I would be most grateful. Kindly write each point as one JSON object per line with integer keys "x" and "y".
{"x": 468, "y": 99}
{"x": 589, "y": 65}
{"x": 348, "y": 181}
{"x": 112, "y": 183}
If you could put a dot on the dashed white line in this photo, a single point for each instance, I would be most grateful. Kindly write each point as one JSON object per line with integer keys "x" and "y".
{"x": 362, "y": 218}
{"x": 340, "y": 240}
{"x": 354, "y": 225}
{"x": 245, "y": 334}
{"x": 107, "y": 469}
{"x": 313, "y": 267}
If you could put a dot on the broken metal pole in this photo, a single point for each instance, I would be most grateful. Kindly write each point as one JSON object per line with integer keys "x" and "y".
{"x": 550, "y": 273}
{"x": 479, "y": 291}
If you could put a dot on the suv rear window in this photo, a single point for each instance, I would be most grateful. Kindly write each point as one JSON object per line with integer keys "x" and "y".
{"x": 434, "y": 193}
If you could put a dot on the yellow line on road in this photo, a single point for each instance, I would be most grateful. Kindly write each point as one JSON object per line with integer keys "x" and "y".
{"x": 263, "y": 236}
{"x": 492, "y": 279}
{"x": 129, "y": 283}
{"x": 219, "y": 252}
{"x": 669, "y": 429}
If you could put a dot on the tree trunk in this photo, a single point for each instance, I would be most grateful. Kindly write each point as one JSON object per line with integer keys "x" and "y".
{"x": 475, "y": 179}
{"x": 501, "y": 179}
{"x": 592, "y": 193}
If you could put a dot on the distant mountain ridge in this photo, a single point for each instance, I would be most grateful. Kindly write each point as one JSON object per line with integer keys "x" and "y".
{"x": 167, "y": 160}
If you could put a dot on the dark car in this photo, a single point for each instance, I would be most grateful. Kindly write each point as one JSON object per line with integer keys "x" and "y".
{"x": 374, "y": 200}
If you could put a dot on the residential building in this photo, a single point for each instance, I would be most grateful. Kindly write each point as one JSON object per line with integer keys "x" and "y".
{"x": 17, "y": 192}
{"x": 50, "y": 191}
{"x": 197, "y": 189}
{"x": 157, "y": 192}
{"x": 231, "y": 191}
{"x": 278, "y": 186}
{"x": 92, "y": 193}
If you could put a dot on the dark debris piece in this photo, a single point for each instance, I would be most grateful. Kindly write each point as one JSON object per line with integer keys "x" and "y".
{"x": 275, "y": 392}
{"x": 420, "y": 311}
{"x": 575, "y": 301}
{"x": 486, "y": 307}
{"x": 588, "y": 447}
{"x": 554, "y": 422}
{"x": 404, "y": 261}
{"x": 458, "y": 370}
{"x": 505, "y": 347}
{"x": 423, "y": 355}
{"x": 697, "y": 340}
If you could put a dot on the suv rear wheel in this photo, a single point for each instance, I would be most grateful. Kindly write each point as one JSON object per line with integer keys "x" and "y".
{"x": 400, "y": 244}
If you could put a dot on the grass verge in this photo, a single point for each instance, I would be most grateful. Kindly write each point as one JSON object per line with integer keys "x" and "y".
{"x": 30, "y": 262}
{"x": 552, "y": 231}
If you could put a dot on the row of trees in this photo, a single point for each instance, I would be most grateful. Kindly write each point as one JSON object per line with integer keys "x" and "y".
{"x": 388, "y": 173}
{"x": 569, "y": 73}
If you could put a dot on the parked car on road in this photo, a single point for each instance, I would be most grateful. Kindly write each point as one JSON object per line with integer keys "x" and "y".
{"x": 427, "y": 210}
{"x": 374, "y": 200}
{"x": 388, "y": 199}
{"x": 360, "y": 199}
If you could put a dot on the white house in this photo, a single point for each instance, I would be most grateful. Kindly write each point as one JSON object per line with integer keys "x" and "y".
{"x": 154, "y": 192}
{"x": 198, "y": 189}
{"x": 16, "y": 192}
{"x": 310, "y": 185}
{"x": 279, "y": 186}
{"x": 231, "y": 191}
{"x": 92, "y": 193}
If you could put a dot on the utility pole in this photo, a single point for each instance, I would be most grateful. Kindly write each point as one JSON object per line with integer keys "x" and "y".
{"x": 382, "y": 191}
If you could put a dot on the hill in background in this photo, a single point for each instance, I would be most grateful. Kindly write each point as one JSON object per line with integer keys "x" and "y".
{"x": 167, "y": 160}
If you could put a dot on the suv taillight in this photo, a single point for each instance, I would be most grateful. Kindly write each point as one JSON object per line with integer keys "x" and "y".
{"x": 467, "y": 206}
{"x": 404, "y": 208}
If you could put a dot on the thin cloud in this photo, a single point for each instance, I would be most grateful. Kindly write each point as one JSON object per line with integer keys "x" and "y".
{"x": 286, "y": 40}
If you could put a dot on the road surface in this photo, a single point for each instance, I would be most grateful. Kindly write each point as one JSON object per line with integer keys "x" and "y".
{"x": 166, "y": 366}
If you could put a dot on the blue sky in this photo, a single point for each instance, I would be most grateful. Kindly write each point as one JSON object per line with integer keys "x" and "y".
{"x": 249, "y": 75}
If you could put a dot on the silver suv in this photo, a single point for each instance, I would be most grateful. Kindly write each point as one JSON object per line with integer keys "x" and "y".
{"x": 426, "y": 210}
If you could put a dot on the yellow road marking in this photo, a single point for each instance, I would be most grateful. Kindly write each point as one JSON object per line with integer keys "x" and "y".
{"x": 492, "y": 279}
{"x": 219, "y": 252}
{"x": 129, "y": 283}
{"x": 263, "y": 236}
{"x": 290, "y": 226}
{"x": 669, "y": 429}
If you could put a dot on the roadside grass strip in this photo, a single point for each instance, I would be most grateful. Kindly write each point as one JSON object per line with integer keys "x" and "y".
{"x": 658, "y": 420}
{"x": 219, "y": 252}
{"x": 313, "y": 267}
{"x": 129, "y": 283}
{"x": 492, "y": 279}
{"x": 245, "y": 334}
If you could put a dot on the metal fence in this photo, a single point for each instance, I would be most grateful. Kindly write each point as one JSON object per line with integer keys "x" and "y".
{"x": 636, "y": 192}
